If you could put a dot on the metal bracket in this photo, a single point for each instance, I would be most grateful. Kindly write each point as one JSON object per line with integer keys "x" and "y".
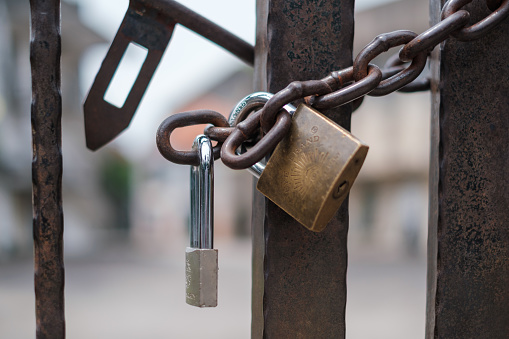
{"x": 149, "y": 23}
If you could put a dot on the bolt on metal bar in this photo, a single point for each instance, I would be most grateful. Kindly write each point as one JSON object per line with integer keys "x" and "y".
{"x": 45, "y": 52}
{"x": 468, "y": 245}
{"x": 299, "y": 277}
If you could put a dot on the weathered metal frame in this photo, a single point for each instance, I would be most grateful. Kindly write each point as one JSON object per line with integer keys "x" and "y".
{"x": 299, "y": 277}
{"x": 48, "y": 223}
{"x": 148, "y": 23}
{"x": 468, "y": 244}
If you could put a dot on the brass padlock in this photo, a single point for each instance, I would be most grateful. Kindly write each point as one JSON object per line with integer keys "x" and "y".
{"x": 312, "y": 169}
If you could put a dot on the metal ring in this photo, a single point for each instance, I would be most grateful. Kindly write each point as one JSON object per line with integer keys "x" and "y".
{"x": 395, "y": 65}
{"x": 250, "y": 103}
{"x": 350, "y": 92}
{"x": 402, "y": 78}
{"x": 426, "y": 41}
{"x": 294, "y": 91}
{"x": 480, "y": 28}
{"x": 383, "y": 43}
{"x": 242, "y": 110}
{"x": 219, "y": 134}
{"x": 389, "y": 72}
{"x": 182, "y": 120}
{"x": 247, "y": 105}
{"x": 244, "y": 130}
{"x": 380, "y": 44}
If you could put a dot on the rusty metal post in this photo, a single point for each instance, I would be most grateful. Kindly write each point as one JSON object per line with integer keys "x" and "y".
{"x": 468, "y": 250}
{"x": 45, "y": 51}
{"x": 299, "y": 277}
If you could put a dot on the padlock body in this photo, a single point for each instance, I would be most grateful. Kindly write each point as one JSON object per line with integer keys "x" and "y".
{"x": 201, "y": 277}
{"x": 312, "y": 169}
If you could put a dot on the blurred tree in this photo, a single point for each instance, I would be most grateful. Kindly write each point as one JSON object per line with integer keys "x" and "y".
{"x": 116, "y": 181}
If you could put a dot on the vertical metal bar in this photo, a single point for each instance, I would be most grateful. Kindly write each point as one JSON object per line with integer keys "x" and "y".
{"x": 299, "y": 277}
{"x": 45, "y": 51}
{"x": 468, "y": 245}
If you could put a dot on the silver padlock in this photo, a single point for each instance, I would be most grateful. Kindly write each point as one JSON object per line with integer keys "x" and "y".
{"x": 201, "y": 257}
{"x": 240, "y": 112}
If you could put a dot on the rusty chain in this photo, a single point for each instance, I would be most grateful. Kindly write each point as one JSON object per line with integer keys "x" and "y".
{"x": 182, "y": 120}
{"x": 336, "y": 89}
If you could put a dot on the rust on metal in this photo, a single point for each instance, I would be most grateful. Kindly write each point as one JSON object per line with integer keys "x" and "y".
{"x": 351, "y": 83}
{"x": 182, "y": 120}
{"x": 48, "y": 224}
{"x": 426, "y": 41}
{"x": 320, "y": 96}
{"x": 383, "y": 43}
{"x": 483, "y": 25}
{"x": 468, "y": 248}
{"x": 218, "y": 133}
{"x": 350, "y": 92}
{"x": 244, "y": 131}
{"x": 299, "y": 277}
{"x": 296, "y": 90}
{"x": 394, "y": 65}
{"x": 149, "y": 23}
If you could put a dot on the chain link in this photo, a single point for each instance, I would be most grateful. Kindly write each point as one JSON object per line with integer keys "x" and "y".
{"x": 182, "y": 120}
{"x": 383, "y": 43}
{"x": 354, "y": 90}
{"x": 272, "y": 122}
{"x": 480, "y": 28}
{"x": 246, "y": 130}
{"x": 395, "y": 65}
{"x": 295, "y": 91}
{"x": 425, "y": 42}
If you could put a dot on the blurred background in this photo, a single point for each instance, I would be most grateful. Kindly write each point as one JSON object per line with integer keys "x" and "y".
{"x": 126, "y": 208}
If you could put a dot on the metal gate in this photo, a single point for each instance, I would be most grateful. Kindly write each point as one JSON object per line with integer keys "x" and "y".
{"x": 468, "y": 246}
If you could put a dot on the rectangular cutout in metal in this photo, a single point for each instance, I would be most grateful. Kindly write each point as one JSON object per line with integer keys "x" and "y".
{"x": 126, "y": 74}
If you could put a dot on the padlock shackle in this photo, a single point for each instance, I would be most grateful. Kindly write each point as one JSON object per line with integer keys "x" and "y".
{"x": 201, "y": 230}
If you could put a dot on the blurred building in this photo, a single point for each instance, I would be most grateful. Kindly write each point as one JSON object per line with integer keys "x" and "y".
{"x": 389, "y": 201}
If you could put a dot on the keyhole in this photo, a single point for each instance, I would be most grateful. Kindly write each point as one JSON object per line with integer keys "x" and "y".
{"x": 341, "y": 190}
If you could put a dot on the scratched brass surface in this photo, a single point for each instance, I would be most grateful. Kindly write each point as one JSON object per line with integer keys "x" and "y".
{"x": 312, "y": 169}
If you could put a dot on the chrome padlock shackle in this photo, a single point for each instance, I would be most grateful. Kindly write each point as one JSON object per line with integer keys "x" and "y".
{"x": 201, "y": 232}
{"x": 201, "y": 257}
{"x": 246, "y": 106}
